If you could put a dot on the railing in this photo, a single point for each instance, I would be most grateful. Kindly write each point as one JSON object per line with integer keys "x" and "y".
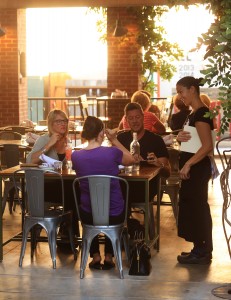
{"x": 39, "y": 107}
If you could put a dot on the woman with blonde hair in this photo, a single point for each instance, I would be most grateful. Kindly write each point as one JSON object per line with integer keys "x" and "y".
{"x": 53, "y": 143}
{"x": 151, "y": 122}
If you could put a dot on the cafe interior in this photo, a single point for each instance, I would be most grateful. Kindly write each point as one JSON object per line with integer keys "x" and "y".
{"x": 64, "y": 278}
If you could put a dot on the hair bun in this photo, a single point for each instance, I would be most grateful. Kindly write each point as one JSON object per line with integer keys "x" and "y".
{"x": 200, "y": 81}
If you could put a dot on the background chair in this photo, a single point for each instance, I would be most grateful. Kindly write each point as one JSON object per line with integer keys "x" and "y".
{"x": 224, "y": 151}
{"x": 19, "y": 129}
{"x": 99, "y": 187}
{"x": 12, "y": 156}
{"x": 36, "y": 213}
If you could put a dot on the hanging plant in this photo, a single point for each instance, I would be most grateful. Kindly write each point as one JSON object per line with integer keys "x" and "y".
{"x": 218, "y": 56}
{"x": 158, "y": 55}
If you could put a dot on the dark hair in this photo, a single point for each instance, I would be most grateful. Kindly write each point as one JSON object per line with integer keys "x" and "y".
{"x": 189, "y": 81}
{"x": 91, "y": 128}
{"x": 179, "y": 103}
{"x": 133, "y": 106}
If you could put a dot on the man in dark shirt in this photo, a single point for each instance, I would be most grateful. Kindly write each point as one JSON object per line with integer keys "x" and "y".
{"x": 152, "y": 147}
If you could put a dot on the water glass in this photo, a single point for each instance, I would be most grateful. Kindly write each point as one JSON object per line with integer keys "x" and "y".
{"x": 23, "y": 140}
{"x": 128, "y": 169}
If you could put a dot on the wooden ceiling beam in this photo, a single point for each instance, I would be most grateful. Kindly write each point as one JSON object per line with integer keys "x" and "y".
{"x": 84, "y": 3}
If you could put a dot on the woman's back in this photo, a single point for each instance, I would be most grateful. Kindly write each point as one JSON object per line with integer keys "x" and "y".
{"x": 99, "y": 161}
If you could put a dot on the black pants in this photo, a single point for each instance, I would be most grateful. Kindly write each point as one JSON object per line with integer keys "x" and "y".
{"x": 113, "y": 220}
{"x": 195, "y": 222}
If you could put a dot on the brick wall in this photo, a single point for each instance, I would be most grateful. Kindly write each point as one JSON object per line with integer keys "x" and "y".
{"x": 123, "y": 71}
{"x": 123, "y": 67}
{"x": 13, "y": 91}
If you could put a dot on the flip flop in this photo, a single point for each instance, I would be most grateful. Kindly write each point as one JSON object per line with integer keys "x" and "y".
{"x": 95, "y": 265}
{"x": 108, "y": 265}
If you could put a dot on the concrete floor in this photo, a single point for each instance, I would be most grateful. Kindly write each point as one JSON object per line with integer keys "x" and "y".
{"x": 168, "y": 279}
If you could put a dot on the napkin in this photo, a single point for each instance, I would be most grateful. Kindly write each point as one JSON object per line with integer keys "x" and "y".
{"x": 48, "y": 160}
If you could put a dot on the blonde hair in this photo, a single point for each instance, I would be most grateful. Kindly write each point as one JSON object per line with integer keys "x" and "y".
{"x": 141, "y": 98}
{"x": 51, "y": 118}
{"x": 205, "y": 99}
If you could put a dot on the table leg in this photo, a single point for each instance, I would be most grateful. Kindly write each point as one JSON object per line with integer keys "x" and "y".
{"x": 146, "y": 219}
{"x": 1, "y": 230}
{"x": 158, "y": 214}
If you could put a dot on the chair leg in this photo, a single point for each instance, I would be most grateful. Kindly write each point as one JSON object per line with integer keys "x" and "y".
{"x": 26, "y": 230}
{"x": 71, "y": 239}
{"x": 86, "y": 243}
{"x": 52, "y": 237}
{"x": 118, "y": 255}
{"x": 7, "y": 190}
{"x": 11, "y": 200}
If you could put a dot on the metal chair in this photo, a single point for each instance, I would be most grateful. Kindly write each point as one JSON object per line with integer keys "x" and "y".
{"x": 224, "y": 291}
{"x": 36, "y": 214}
{"x": 19, "y": 129}
{"x": 99, "y": 188}
{"x": 12, "y": 157}
{"x": 10, "y": 135}
{"x": 224, "y": 151}
{"x": 171, "y": 186}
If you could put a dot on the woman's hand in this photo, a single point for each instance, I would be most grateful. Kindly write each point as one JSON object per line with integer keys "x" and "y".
{"x": 59, "y": 142}
{"x": 184, "y": 172}
{"x": 183, "y": 136}
{"x": 111, "y": 133}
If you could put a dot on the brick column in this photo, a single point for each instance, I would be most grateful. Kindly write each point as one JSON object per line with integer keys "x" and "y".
{"x": 13, "y": 89}
{"x": 123, "y": 66}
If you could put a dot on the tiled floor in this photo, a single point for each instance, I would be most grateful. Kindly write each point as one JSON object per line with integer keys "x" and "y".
{"x": 168, "y": 279}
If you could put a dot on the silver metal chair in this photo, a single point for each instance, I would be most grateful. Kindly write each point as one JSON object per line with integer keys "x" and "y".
{"x": 99, "y": 187}
{"x": 36, "y": 214}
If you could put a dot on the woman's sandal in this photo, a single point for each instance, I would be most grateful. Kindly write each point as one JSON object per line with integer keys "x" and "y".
{"x": 107, "y": 265}
{"x": 95, "y": 265}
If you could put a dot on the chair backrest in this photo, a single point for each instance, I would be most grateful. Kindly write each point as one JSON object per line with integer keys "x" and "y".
{"x": 83, "y": 106}
{"x": 10, "y": 135}
{"x": 19, "y": 129}
{"x": 174, "y": 160}
{"x": 11, "y": 154}
{"x": 224, "y": 151}
{"x": 99, "y": 188}
{"x": 34, "y": 182}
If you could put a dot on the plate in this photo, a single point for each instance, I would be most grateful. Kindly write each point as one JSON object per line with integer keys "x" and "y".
{"x": 46, "y": 168}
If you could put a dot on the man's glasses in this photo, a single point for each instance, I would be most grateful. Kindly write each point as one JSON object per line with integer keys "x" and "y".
{"x": 61, "y": 122}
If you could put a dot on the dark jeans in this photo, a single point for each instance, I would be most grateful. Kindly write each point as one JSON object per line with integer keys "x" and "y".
{"x": 113, "y": 220}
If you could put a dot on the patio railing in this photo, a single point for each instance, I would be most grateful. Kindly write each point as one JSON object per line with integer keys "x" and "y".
{"x": 39, "y": 107}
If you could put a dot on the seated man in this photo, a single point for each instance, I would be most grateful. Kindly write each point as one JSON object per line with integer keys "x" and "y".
{"x": 152, "y": 147}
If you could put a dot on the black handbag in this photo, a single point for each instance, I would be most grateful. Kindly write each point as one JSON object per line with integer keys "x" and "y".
{"x": 140, "y": 259}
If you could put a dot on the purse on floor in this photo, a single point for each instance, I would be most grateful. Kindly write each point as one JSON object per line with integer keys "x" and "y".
{"x": 140, "y": 259}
